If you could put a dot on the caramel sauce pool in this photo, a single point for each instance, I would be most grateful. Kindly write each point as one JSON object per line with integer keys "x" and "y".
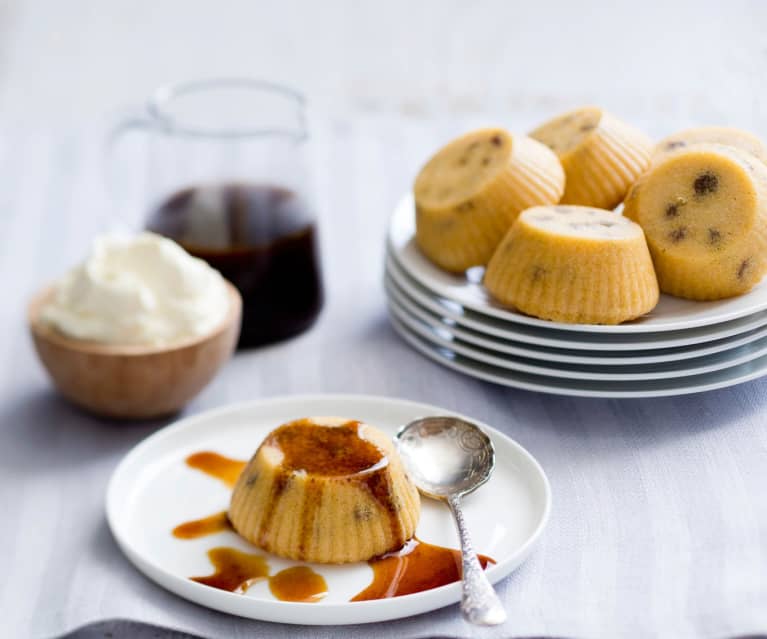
{"x": 224, "y": 468}
{"x": 299, "y": 583}
{"x": 236, "y": 571}
{"x": 416, "y": 567}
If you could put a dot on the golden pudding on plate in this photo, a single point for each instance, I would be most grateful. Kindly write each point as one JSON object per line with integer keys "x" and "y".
{"x": 326, "y": 490}
{"x": 601, "y": 155}
{"x": 471, "y": 191}
{"x": 703, "y": 209}
{"x": 729, "y": 136}
{"x": 574, "y": 264}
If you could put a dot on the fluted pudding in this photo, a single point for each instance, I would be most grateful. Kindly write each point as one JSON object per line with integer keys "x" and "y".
{"x": 471, "y": 191}
{"x": 327, "y": 490}
{"x": 574, "y": 264}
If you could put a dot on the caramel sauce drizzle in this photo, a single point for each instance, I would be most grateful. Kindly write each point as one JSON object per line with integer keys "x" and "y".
{"x": 340, "y": 450}
{"x": 202, "y": 527}
{"x": 416, "y": 567}
{"x": 299, "y": 583}
{"x": 236, "y": 571}
{"x": 224, "y": 468}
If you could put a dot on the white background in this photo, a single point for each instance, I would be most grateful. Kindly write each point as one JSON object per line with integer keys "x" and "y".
{"x": 77, "y": 59}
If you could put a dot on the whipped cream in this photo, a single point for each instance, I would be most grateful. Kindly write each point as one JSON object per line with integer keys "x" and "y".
{"x": 142, "y": 289}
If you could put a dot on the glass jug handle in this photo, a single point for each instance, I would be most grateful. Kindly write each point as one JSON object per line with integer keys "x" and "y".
{"x": 119, "y": 197}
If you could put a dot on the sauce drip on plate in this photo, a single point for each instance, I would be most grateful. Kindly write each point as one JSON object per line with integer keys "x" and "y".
{"x": 224, "y": 468}
{"x": 299, "y": 583}
{"x": 202, "y": 527}
{"x": 415, "y": 567}
{"x": 236, "y": 571}
{"x": 340, "y": 450}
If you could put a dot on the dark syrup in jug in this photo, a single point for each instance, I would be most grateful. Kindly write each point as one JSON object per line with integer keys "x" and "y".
{"x": 261, "y": 239}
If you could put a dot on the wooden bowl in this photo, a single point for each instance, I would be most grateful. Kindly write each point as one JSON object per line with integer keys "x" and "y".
{"x": 133, "y": 382}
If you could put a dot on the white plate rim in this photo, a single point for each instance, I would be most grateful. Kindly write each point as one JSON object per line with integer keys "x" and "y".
{"x": 509, "y": 379}
{"x": 290, "y": 612}
{"x": 502, "y": 360}
{"x": 597, "y": 358}
{"x": 404, "y": 214}
{"x": 594, "y": 342}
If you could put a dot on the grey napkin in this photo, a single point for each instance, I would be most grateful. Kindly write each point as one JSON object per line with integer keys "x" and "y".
{"x": 127, "y": 629}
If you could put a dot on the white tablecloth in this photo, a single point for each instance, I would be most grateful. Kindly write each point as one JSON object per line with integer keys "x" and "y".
{"x": 659, "y": 521}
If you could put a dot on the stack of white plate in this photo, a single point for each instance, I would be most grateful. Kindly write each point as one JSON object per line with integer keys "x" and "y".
{"x": 681, "y": 347}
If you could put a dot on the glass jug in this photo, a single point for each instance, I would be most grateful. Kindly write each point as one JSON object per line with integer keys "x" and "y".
{"x": 228, "y": 181}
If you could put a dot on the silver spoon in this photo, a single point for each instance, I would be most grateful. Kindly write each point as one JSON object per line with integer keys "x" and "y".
{"x": 448, "y": 458}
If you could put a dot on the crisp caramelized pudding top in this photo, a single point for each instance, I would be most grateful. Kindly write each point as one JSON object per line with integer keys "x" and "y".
{"x": 326, "y": 450}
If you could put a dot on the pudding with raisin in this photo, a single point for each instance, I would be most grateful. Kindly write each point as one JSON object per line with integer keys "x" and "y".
{"x": 601, "y": 155}
{"x": 574, "y": 264}
{"x": 326, "y": 490}
{"x": 728, "y": 136}
{"x": 703, "y": 209}
{"x": 471, "y": 191}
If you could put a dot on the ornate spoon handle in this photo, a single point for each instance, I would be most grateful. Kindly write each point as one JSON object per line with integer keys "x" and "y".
{"x": 479, "y": 604}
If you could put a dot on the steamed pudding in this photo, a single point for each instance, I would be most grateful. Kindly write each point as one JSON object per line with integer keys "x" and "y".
{"x": 574, "y": 264}
{"x": 327, "y": 490}
{"x": 471, "y": 191}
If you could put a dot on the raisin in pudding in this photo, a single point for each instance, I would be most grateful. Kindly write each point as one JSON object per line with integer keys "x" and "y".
{"x": 703, "y": 209}
{"x": 574, "y": 264}
{"x": 728, "y": 136}
{"x": 327, "y": 490}
{"x": 601, "y": 155}
{"x": 471, "y": 191}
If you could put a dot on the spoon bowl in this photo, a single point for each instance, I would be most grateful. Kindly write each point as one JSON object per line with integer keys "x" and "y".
{"x": 446, "y": 455}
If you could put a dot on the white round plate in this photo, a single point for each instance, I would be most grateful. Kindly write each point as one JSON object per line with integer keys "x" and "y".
{"x": 555, "y": 338}
{"x": 583, "y": 388}
{"x": 671, "y": 313}
{"x": 664, "y": 370}
{"x": 152, "y": 490}
{"x": 450, "y": 329}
